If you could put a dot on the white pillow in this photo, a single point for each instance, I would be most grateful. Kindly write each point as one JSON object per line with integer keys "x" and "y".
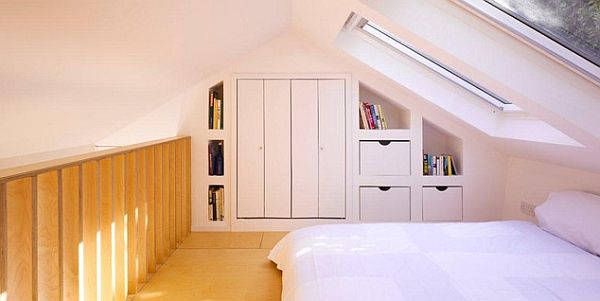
{"x": 573, "y": 216}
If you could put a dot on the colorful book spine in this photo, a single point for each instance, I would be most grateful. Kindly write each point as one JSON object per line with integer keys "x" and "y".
{"x": 211, "y": 107}
{"x": 364, "y": 124}
{"x": 367, "y": 109}
{"x": 372, "y": 117}
{"x": 442, "y": 165}
{"x": 383, "y": 120}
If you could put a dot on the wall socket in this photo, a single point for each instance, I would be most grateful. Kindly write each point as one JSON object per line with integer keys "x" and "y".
{"x": 527, "y": 208}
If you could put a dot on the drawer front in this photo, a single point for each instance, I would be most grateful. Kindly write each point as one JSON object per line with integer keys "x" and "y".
{"x": 385, "y": 204}
{"x": 442, "y": 203}
{"x": 385, "y": 158}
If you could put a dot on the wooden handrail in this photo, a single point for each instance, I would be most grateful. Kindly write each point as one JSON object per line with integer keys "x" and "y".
{"x": 36, "y": 168}
{"x": 91, "y": 227}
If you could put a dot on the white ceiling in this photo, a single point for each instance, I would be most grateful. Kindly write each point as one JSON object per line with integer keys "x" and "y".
{"x": 74, "y": 73}
{"x": 85, "y": 69}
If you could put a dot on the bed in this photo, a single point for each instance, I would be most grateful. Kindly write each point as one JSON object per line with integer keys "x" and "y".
{"x": 509, "y": 260}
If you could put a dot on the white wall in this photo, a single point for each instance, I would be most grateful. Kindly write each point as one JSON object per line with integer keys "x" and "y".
{"x": 74, "y": 73}
{"x": 532, "y": 181}
{"x": 161, "y": 123}
{"x": 11, "y": 162}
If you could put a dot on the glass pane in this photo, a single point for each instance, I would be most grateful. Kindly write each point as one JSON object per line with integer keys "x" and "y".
{"x": 574, "y": 24}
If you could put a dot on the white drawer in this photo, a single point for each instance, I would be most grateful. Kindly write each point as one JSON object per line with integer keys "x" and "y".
{"x": 384, "y": 158}
{"x": 385, "y": 204}
{"x": 442, "y": 203}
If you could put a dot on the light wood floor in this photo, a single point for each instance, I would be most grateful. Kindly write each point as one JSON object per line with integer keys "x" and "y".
{"x": 218, "y": 266}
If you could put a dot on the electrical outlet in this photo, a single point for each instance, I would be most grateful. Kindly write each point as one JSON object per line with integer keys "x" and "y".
{"x": 528, "y": 209}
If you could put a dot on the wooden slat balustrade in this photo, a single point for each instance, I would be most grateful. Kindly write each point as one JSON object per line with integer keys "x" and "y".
{"x": 95, "y": 226}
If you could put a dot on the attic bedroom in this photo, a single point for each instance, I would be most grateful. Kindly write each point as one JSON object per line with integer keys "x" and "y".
{"x": 300, "y": 150}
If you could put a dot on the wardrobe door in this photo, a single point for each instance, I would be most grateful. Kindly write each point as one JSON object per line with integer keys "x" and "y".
{"x": 277, "y": 149}
{"x": 305, "y": 154}
{"x": 332, "y": 150}
{"x": 250, "y": 149}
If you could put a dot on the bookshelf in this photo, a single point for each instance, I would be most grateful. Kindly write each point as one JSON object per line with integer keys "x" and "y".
{"x": 437, "y": 141}
{"x": 216, "y": 107}
{"x": 388, "y": 177}
{"x": 216, "y": 203}
{"x": 216, "y": 176}
{"x": 216, "y": 160}
{"x": 396, "y": 116}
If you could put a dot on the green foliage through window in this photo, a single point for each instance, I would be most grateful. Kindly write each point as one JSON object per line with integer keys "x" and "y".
{"x": 573, "y": 23}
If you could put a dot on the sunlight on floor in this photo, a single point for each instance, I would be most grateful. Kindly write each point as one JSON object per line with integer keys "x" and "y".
{"x": 218, "y": 266}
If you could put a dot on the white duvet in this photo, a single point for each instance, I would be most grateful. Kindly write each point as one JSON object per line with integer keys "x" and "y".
{"x": 439, "y": 262}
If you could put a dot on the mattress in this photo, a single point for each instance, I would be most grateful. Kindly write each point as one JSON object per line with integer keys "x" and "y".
{"x": 419, "y": 262}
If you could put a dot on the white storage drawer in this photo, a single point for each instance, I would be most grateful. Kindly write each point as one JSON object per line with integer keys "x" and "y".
{"x": 384, "y": 158}
{"x": 385, "y": 204}
{"x": 442, "y": 203}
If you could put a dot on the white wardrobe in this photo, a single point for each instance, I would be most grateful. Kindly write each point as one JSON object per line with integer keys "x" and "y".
{"x": 291, "y": 148}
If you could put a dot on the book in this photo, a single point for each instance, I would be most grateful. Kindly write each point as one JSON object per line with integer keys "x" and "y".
{"x": 364, "y": 124}
{"x": 367, "y": 109}
{"x": 383, "y": 120}
{"x": 211, "y": 106}
{"x": 221, "y": 114}
{"x": 439, "y": 165}
{"x": 215, "y": 158}
{"x": 372, "y": 117}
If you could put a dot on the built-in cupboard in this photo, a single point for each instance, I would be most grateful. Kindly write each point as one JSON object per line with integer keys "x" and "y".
{"x": 291, "y": 148}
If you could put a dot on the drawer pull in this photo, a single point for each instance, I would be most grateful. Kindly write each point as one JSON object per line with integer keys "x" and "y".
{"x": 441, "y": 188}
{"x": 384, "y": 188}
{"x": 384, "y": 142}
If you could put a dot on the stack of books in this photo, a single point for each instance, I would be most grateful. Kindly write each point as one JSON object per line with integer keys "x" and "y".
{"x": 442, "y": 165}
{"x": 215, "y": 111}
{"x": 216, "y": 195}
{"x": 215, "y": 158}
{"x": 372, "y": 117}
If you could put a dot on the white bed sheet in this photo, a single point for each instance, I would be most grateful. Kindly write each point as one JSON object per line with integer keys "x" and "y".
{"x": 420, "y": 262}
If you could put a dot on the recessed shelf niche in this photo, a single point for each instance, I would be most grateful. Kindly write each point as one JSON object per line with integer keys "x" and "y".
{"x": 396, "y": 116}
{"x": 216, "y": 158}
{"x": 437, "y": 141}
{"x": 216, "y": 107}
{"x": 216, "y": 203}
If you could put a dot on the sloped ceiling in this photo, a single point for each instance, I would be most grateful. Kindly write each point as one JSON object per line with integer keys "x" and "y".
{"x": 543, "y": 87}
{"x": 74, "y": 72}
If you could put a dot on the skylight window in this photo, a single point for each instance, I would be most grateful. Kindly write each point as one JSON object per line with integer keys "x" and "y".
{"x": 394, "y": 42}
{"x": 574, "y": 24}
{"x": 567, "y": 30}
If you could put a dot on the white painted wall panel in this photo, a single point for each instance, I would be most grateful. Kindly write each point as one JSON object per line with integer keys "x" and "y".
{"x": 332, "y": 148}
{"x": 277, "y": 149}
{"x": 250, "y": 144}
{"x": 305, "y": 149}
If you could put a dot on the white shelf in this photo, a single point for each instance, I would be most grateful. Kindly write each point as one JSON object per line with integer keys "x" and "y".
{"x": 443, "y": 180}
{"x": 385, "y": 180}
{"x": 399, "y": 134}
{"x": 216, "y": 134}
{"x": 216, "y": 180}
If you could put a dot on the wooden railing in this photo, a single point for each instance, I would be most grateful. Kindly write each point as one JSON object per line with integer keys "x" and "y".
{"x": 93, "y": 227}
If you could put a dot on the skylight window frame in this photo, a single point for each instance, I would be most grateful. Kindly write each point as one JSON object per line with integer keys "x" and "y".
{"x": 537, "y": 39}
{"x": 388, "y": 39}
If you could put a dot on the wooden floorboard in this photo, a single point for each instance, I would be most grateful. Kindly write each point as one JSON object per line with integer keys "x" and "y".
{"x": 218, "y": 266}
